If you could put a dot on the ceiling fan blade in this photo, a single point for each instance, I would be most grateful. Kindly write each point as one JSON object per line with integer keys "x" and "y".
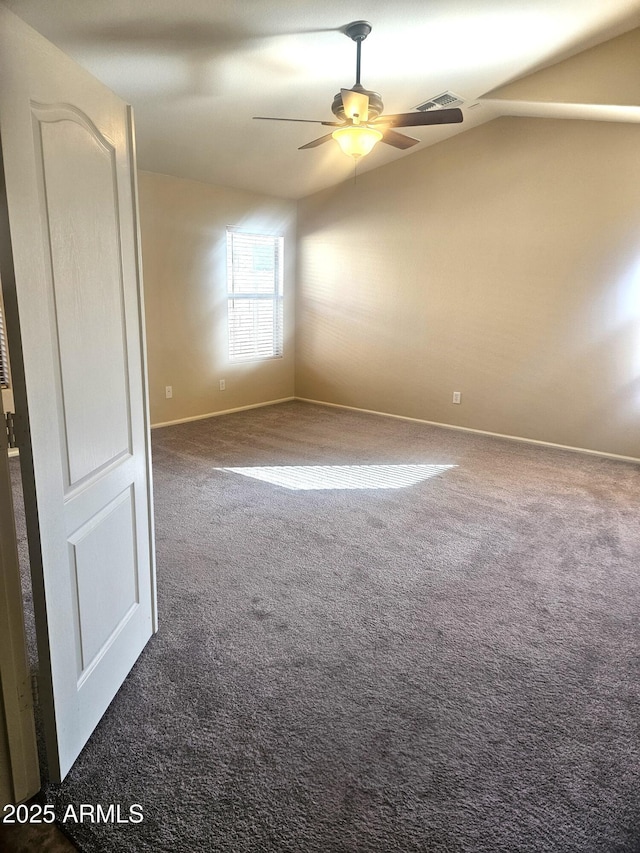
{"x": 355, "y": 104}
{"x": 398, "y": 140}
{"x": 316, "y": 142}
{"x": 305, "y": 120}
{"x": 420, "y": 119}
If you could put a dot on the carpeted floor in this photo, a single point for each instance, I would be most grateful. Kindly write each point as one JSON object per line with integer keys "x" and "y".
{"x": 440, "y": 652}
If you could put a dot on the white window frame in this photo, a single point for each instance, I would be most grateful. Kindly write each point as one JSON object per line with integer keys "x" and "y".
{"x": 246, "y": 345}
{"x": 5, "y": 375}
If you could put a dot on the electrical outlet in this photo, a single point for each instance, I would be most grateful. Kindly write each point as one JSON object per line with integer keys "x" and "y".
{"x": 456, "y": 396}
{"x": 168, "y": 392}
{"x": 223, "y": 385}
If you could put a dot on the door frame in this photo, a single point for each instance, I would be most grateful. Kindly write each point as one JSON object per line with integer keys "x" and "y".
{"x": 15, "y": 680}
{"x": 20, "y": 777}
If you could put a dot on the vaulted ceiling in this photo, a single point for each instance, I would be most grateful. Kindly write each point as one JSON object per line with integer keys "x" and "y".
{"x": 196, "y": 71}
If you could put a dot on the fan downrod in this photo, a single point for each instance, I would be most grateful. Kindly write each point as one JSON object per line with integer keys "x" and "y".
{"x": 357, "y": 32}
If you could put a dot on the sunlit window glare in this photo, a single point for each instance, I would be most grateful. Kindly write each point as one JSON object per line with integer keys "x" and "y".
{"x": 308, "y": 477}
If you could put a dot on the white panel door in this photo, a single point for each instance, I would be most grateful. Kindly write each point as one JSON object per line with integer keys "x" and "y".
{"x": 75, "y": 323}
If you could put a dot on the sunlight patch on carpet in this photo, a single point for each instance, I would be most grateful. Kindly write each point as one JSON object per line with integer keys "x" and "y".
{"x": 308, "y": 477}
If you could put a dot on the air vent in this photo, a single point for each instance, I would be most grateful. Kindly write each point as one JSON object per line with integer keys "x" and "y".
{"x": 444, "y": 101}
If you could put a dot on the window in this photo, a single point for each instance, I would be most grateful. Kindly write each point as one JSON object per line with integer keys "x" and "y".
{"x": 254, "y": 291}
{"x": 4, "y": 361}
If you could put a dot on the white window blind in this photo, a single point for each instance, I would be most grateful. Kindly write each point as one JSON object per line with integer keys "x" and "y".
{"x": 4, "y": 361}
{"x": 254, "y": 290}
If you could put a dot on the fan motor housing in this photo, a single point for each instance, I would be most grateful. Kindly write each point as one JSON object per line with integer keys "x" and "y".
{"x": 375, "y": 103}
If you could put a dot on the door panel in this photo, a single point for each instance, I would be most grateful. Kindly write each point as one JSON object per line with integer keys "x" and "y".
{"x": 76, "y": 164}
{"x": 104, "y": 603}
{"x": 74, "y": 318}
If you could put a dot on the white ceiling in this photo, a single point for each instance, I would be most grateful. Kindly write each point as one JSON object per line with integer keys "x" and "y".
{"x": 196, "y": 71}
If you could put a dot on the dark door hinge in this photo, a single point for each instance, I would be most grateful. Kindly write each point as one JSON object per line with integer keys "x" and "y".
{"x": 10, "y": 420}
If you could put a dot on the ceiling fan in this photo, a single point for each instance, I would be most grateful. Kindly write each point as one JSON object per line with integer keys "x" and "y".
{"x": 360, "y": 122}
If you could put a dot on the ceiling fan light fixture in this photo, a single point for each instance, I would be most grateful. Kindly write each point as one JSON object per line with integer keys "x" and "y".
{"x": 358, "y": 111}
{"x": 356, "y": 140}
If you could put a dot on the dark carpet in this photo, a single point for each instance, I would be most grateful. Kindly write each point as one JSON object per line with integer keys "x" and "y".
{"x": 448, "y": 666}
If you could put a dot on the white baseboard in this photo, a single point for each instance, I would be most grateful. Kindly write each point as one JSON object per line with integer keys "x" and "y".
{"x": 477, "y": 431}
{"x": 223, "y": 412}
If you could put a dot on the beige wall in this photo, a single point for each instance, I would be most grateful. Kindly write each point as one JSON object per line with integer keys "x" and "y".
{"x": 503, "y": 263}
{"x": 184, "y": 258}
{"x": 608, "y": 73}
